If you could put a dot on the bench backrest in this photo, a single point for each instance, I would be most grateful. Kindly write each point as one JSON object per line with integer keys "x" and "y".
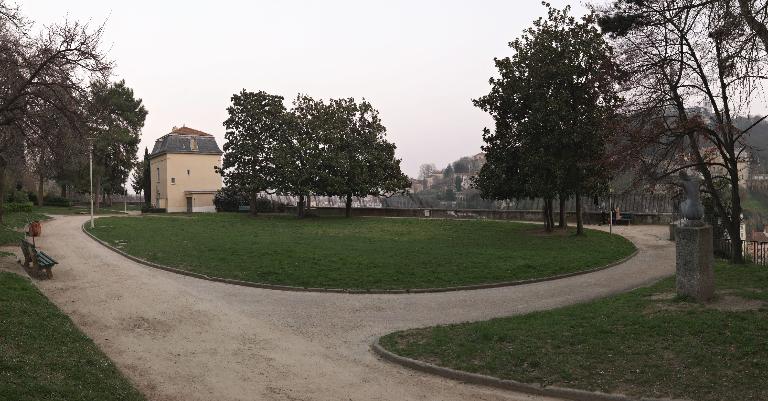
{"x": 27, "y": 248}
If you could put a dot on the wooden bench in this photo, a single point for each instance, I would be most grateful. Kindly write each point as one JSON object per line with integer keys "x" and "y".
{"x": 38, "y": 259}
{"x": 625, "y": 219}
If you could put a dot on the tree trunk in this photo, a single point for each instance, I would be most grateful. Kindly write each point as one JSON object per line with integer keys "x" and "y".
{"x": 563, "y": 220}
{"x": 757, "y": 27}
{"x": 300, "y": 207}
{"x": 253, "y": 210}
{"x": 2, "y": 190}
{"x": 734, "y": 229}
{"x": 551, "y": 214}
{"x": 40, "y": 190}
{"x": 579, "y": 217}
{"x": 548, "y": 222}
{"x": 64, "y": 191}
{"x": 309, "y": 202}
{"x": 348, "y": 206}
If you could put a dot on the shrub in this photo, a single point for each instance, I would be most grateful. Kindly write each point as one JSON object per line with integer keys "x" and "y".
{"x": 32, "y": 197}
{"x": 229, "y": 199}
{"x": 17, "y": 197}
{"x": 56, "y": 201}
{"x": 150, "y": 209}
{"x": 263, "y": 205}
{"x": 12, "y": 207}
{"x": 266, "y": 205}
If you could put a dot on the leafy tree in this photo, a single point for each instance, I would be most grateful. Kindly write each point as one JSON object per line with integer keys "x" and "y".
{"x": 333, "y": 149}
{"x": 118, "y": 118}
{"x": 461, "y": 166}
{"x": 255, "y": 125}
{"x": 450, "y": 195}
{"x": 358, "y": 161}
{"x": 551, "y": 118}
{"x": 142, "y": 178}
{"x": 300, "y": 150}
{"x": 448, "y": 171}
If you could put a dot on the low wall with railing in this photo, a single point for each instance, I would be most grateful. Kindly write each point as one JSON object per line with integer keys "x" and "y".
{"x": 523, "y": 215}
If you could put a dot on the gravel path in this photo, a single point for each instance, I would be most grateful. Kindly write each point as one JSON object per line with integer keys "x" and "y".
{"x": 181, "y": 338}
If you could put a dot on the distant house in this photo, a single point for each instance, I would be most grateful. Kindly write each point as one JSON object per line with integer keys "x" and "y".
{"x": 183, "y": 164}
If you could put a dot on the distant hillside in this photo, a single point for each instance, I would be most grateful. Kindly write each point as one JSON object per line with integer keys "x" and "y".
{"x": 757, "y": 138}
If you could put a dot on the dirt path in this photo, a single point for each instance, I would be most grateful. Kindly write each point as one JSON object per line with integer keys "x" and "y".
{"x": 181, "y": 338}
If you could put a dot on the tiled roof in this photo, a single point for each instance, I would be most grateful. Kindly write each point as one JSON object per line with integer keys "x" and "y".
{"x": 186, "y": 140}
{"x": 188, "y": 131}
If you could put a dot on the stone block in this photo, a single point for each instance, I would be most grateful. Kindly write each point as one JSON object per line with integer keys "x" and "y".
{"x": 695, "y": 259}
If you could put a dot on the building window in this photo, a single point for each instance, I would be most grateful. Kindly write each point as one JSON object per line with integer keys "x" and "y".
{"x": 158, "y": 174}
{"x": 173, "y": 180}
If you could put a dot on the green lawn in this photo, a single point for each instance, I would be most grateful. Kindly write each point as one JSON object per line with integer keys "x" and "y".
{"x": 43, "y": 356}
{"x": 643, "y": 343}
{"x": 14, "y": 221}
{"x": 360, "y": 253}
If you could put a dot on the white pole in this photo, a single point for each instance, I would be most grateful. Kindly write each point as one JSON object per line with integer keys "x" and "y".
{"x": 90, "y": 165}
{"x": 610, "y": 218}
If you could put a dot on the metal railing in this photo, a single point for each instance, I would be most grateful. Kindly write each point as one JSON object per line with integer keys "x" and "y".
{"x": 471, "y": 200}
{"x": 753, "y": 251}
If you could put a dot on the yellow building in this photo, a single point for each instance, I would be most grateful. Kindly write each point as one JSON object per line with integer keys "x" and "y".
{"x": 183, "y": 164}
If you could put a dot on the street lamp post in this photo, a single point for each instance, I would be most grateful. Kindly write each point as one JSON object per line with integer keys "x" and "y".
{"x": 610, "y": 206}
{"x": 90, "y": 167}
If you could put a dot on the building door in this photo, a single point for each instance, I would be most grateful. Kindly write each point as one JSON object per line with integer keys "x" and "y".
{"x": 189, "y": 204}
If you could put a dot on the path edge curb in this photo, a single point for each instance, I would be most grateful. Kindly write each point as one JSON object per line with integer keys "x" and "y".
{"x": 490, "y": 381}
{"x": 278, "y": 287}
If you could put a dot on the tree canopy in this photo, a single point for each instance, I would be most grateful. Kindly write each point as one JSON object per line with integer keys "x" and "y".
{"x": 552, "y": 104}
{"x": 336, "y": 148}
{"x": 117, "y": 119}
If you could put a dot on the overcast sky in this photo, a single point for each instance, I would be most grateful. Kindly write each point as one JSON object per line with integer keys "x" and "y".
{"x": 419, "y": 62}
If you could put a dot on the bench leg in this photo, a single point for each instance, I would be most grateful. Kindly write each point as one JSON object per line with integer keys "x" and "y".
{"x": 48, "y": 273}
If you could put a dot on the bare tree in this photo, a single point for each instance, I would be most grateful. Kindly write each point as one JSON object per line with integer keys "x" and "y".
{"x": 426, "y": 170}
{"x": 694, "y": 68}
{"x": 44, "y": 76}
{"x": 755, "y": 14}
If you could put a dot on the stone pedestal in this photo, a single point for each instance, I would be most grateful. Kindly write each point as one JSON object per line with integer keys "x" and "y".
{"x": 695, "y": 262}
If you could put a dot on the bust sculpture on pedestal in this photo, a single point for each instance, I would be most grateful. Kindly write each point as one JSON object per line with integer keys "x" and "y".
{"x": 691, "y": 208}
{"x": 695, "y": 277}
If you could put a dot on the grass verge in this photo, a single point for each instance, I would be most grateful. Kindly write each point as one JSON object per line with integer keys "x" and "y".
{"x": 645, "y": 343}
{"x": 361, "y": 253}
{"x": 43, "y": 356}
{"x": 14, "y": 221}
{"x": 79, "y": 209}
